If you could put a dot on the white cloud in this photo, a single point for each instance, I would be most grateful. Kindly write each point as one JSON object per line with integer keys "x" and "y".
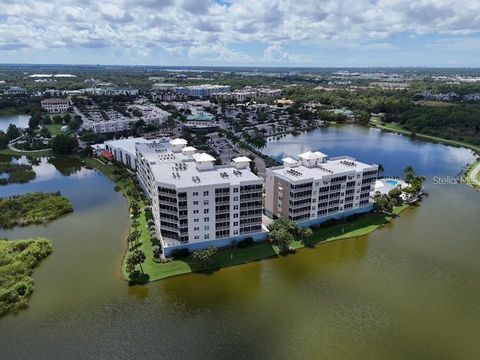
{"x": 200, "y": 27}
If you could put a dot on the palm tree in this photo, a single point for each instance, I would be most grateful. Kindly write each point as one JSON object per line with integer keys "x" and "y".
{"x": 139, "y": 258}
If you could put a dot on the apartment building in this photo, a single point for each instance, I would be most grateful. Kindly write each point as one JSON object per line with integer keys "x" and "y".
{"x": 55, "y": 105}
{"x": 196, "y": 203}
{"x": 314, "y": 188}
{"x": 205, "y": 90}
{"x": 123, "y": 150}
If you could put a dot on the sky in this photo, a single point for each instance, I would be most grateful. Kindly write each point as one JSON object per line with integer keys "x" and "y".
{"x": 312, "y": 33}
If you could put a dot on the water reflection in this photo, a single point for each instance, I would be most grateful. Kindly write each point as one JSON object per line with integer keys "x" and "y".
{"x": 194, "y": 293}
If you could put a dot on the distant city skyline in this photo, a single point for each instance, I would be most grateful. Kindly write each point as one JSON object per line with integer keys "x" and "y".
{"x": 328, "y": 33}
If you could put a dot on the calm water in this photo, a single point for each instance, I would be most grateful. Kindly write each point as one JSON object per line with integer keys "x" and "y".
{"x": 21, "y": 121}
{"x": 408, "y": 291}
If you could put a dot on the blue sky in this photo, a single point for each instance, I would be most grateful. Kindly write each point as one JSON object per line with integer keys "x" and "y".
{"x": 249, "y": 32}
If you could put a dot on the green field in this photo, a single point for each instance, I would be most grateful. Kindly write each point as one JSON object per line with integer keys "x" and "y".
{"x": 37, "y": 153}
{"x": 55, "y": 129}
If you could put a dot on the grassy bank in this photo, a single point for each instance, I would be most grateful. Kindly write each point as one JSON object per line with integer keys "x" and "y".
{"x": 392, "y": 127}
{"x": 17, "y": 260}
{"x": 35, "y": 208}
{"x": 232, "y": 256}
{"x": 37, "y": 153}
{"x": 470, "y": 178}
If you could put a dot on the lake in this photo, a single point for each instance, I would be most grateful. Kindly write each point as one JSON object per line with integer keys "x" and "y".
{"x": 20, "y": 121}
{"x": 407, "y": 291}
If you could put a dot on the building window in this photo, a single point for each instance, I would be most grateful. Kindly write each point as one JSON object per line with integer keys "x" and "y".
{"x": 205, "y": 193}
{"x": 195, "y": 203}
{"x": 195, "y": 211}
{"x": 235, "y": 207}
{"x": 206, "y": 219}
{"x": 205, "y": 211}
{"x": 207, "y": 236}
{"x": 235, "y": 198}
{"x": 235, "y": 190}
{"x": 235, "y": 232}
{"x": 197, "y": 237}
{"x": 207, "y": 227}
{"x": 196, "y": 220}
{"x": 205, "y": 202}
{"x": 235, "y": 223}
{"x": 235, "y": 215}
{"x": 196, "y": 228}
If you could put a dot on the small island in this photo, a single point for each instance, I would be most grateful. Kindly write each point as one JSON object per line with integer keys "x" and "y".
{"x": 18, "y": 258}
{"x": 34, "y": 208}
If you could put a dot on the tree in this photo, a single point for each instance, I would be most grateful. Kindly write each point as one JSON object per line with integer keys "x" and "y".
{"x": 204, "y": 256}
{"x": 13, "y": 132}
{"x": 281, "y": 238}
{"x": 395, "y": 194}
{"x": 137, "y": 258}
{"x": 383, "y": 202}
{"x": 35, "y": 120}
{"x": 409, "y": 174}
{"x": 64, "y": 144}
{"x": 57, "y": 119}
{"x": 3, "y": 140}
{"x": 67, "y": 118}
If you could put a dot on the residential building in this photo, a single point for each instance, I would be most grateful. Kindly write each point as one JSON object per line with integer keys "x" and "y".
{"x": 196, "y": 203}
{"x": 167, "y": 95}
{"x": 205, "y": 90}
{"x": 15, "y": 90}
{"x": 314, "y": 188}
{"x": 123, "y": 150}
{"x": 55, "y": 105}
{"x": 472, "y": 97}
{"x": 151, "y": 114}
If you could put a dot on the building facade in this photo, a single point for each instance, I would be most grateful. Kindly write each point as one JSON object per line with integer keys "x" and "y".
{"x": 314, "y": 188}
{"x": 55, "y": 105}
{"x": 196, "y": 203}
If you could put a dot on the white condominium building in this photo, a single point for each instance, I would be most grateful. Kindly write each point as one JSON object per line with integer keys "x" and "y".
{"x": 196, "y": 203}
{"x": 313, "y": 189}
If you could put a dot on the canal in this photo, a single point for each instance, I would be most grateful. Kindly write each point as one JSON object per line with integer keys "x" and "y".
{"x": 407, "y": 291}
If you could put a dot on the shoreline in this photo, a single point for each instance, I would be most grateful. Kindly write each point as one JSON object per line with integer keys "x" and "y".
{"x": 434, "y": 139}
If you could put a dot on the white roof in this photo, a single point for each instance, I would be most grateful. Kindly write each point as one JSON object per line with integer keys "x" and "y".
{"x": 178, "y": 142}
{"x": 320, "y": 154}
{"x": 189, "y": 148}
{"x": 203, "y": 157}
{"x": 289, "y": 160}
{"x": 241, "y": 159}
{"x": 309, "y": 155}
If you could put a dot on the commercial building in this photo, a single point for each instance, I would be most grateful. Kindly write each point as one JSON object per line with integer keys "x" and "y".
{"x": 196, "y": 203}
{"x": 55, "y": 105}
{"x": 201, "y": 122}
{"x": 314, "y": 188}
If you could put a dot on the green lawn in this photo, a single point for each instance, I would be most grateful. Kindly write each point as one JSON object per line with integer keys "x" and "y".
{"x": 37, "y": 153}
{"x": 235, "y": 256}
{"x": 55, "y": 129}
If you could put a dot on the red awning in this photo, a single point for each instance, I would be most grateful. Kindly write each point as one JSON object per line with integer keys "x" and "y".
{"x": 107, "y": 155}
